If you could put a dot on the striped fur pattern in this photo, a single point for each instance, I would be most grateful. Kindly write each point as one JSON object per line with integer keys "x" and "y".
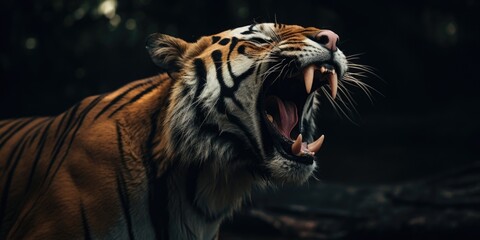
{"x": 168, "y": 157}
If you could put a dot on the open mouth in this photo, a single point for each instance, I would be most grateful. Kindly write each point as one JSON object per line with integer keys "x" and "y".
{"x": 285, "y": 98}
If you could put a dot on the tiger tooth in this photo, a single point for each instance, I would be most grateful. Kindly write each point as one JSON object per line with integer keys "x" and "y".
{"x": 323, "y": 69}
{"x": 333, "y": 81}
{"x": 308, "y": 77}
{"x": 297, "y": 145}
{"x": 315, "y": 146}
{"x": 270, "y": 118}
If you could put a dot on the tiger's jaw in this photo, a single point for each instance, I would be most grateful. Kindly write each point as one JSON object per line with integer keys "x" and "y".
{"x": 284, "y": 102}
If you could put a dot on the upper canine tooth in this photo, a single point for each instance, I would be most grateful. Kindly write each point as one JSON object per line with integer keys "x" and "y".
{"x": 323, "y": 69}
{"x": 308, "y": 77}
{"x": 270, "y": 118}
{"x": 315, "y": 146}
{"x": 297, "y": 145}
{"x": 333, "y": 81}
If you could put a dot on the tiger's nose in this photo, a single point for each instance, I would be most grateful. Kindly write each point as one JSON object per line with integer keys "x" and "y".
{"x": 328, "y": 39}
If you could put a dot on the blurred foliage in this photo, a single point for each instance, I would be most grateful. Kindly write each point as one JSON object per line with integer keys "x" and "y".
{"x": 56, "y": 52}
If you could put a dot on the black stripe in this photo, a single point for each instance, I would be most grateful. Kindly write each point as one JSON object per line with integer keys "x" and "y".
{"x": 8, "y": 183}
{"x": 207, "y": 130}
{"x": 241, "y": 50}
{"x": 12, "y": 154}
{"x": 119, "y": 97}
{"x": 5, "y": 122}
{"x": 247, "y": 32}
{"x": 14, "y": 130}
{"x": 226, "y": 92}
{"x": 150, "y": 165}
{"x": 217, "y": 60}
{"x": 61, "y": 140}
{"x": 59, "y": 126}
{"x": 71, "y": 115}
{"x": 21, "y": 140}
{"x": 157, "y": 186}
{"x": 20, "y": 221}
{"x": 78, "y": 123}
{"x": 86, "y": 227}
{"x": 35, "y": 134}
{"x": 250, "y": 30}
{"x": 125, "y": 203}
{"x": 229, "y": 92}
{"x": 38, "y": 154}
{"x": 235, "y": 120}
{"x": 215, "y": 39}
{"x": 14, "y": 123}
{"x": 244, "y": 75}
{"x": 201, "y": 72}
{"x": 136, "y": 98}
{"x": 224, "y": 41}
{"x": 154, "y": 121}
{"x": 258, "y": 40}
{"x": 121, "y": 186}
{"x": 120, "y": 147}
{"x": 232, "y": 46}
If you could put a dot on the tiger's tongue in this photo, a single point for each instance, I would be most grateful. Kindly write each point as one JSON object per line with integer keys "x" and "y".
{"x": 285, "y": 116}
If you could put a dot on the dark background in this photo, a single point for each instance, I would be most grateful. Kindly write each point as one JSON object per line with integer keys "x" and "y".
{"x": 426, "y": 54}
{"x": 424, "y": 121}
{"x": 54, "y": 53}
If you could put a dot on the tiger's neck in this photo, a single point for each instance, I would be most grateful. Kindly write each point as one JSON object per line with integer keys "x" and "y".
{"x": 189, "y": 194}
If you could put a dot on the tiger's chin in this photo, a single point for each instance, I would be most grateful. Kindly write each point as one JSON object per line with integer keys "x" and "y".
{"x": 284, "y": 170}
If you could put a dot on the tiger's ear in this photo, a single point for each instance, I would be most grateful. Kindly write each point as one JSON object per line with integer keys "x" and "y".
{"x": 166, "y": 51}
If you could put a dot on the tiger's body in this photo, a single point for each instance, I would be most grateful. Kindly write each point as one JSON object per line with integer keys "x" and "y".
{"x": 171, "y": 156}
{"x": 70, "y": 165}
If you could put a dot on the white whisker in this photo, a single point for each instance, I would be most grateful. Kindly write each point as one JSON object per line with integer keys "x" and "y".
{"x": 338, "y": 109}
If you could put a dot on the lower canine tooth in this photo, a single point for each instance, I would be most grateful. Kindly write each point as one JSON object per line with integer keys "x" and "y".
{"x": 297, "y": 145}
{"x": 323, "y": 69}
{"x": 315, "y": 146}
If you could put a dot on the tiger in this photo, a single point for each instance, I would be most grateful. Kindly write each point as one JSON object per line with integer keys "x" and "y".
{"x": 173, "y": 155}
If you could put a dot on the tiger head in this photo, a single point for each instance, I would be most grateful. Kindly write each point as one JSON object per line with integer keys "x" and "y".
{"x": 248, "y": 98}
